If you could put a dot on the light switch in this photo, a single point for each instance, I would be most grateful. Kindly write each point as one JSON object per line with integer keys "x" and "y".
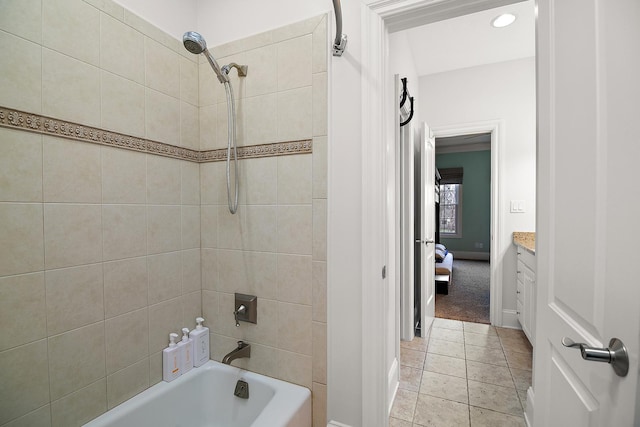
{"x": 517, "y": 206}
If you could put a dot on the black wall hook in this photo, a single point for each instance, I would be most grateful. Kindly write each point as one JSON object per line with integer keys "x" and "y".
{"x": 410, "y": 114}
{"x": 405, "y": 95}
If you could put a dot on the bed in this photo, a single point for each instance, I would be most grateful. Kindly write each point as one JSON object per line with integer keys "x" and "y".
{"x": 444, "y": 269}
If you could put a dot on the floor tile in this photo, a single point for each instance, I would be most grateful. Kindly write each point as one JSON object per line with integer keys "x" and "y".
{"x": 486, "y": 418}
{"x": 517, "y": 344}
{"x": 396, "y": 422}
{"x": 494, "y": 397}
{"x": 493, "y": 356}
{"x": 447, "y": 348}
{"x": 521, "y": 378}
{"x": 522, "y": 394}
{"x": 444, "y": 386}
{"x": 433, "y": 411}
{"x": 418, "y": 344}
{"x": 510, "y": 333}
{"x": 492, "y": 374}
{"x": 412, "y": 358}
{"x": 479, "y": 328}
{"x": 470, "y": 373}
{"x": 482, "y": 340}
{"x": 445, "y": 365}
{"x": 404, "y": 405}
{"x": 447, "y": 335}
{"x": 518, "y": 360}
{"x": 410, "y": 378}
{"x": 447, "y": 324}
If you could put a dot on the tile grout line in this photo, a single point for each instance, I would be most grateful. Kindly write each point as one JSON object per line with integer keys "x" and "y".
{"x": 503, "y": 351}
{"x": 464, "y": 344}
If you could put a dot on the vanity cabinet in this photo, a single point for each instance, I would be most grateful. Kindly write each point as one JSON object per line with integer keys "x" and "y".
{"x": 526, "y": 291}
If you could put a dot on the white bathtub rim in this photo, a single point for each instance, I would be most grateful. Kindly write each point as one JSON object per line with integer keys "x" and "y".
{"x": 277, "y": 412}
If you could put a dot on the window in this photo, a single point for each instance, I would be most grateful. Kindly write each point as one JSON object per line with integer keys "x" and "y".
{"x": 450, "y": 210}
{"x": 451, "y": 202}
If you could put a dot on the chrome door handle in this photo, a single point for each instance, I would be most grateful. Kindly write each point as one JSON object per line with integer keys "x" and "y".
{"x": 616, "y": 354}
{"x": 426, "y": 242}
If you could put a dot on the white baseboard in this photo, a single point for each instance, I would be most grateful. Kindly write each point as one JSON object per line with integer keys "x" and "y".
{"x": 510, "y": 319}
{"x": 528, "y": 412}
{"x": 394, "y": 384}
{"x": 476, "y": 256}
{"x": 336, "y": 424}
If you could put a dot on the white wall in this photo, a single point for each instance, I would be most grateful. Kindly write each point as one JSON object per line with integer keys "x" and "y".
{"x": 225, "y": 21}
{"x": 506, "y": 91}
{"x": 344, "y": 227}
{"x": 222, "y": 22}
{"x": 171, "y": 16}
{"x": 401, "y": 62}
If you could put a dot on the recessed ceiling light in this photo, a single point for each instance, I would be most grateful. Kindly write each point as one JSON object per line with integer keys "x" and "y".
{"x": 503, "y": 20}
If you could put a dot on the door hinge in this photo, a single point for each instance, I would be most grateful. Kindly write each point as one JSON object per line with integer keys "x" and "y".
{"x": 384, "y": 271}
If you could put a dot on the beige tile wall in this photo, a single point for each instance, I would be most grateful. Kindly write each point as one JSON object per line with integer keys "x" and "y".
{"x": 91, "y": 280}
{"x": 70, "y": 60}
{"x": 105, "y": 251}
{"x": 100, "y": 254}
{"x": 275, "y": 246}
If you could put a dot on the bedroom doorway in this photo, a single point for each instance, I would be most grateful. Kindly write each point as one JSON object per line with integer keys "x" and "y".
{"x": 464, "y": 227}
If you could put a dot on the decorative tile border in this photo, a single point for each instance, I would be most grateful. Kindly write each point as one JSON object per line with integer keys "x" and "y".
{"x": 262, "y": 150}
{"x": 20, "y": 120}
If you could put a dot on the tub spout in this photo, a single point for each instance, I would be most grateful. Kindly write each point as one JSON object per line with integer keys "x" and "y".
{"x": 243, "y": 350}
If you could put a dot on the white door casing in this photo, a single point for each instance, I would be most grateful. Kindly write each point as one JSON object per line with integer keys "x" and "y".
{"x": 395, "y": 270}
{"x": 376, "y": 17}
{"x": 588, "y": 210}
{"x": 498, "y": 199}
{"x": 427, "y": 228}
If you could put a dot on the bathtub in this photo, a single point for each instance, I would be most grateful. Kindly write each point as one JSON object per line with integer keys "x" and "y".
{"x": 204, "y": 397}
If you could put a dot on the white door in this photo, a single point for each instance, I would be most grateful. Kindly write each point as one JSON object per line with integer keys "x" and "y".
{"x": 405, "y": 179}
{"x": 588, "y": 210}
{"x": 427, "y": 228}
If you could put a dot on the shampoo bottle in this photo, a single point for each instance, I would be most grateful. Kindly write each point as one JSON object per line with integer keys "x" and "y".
{"x": 171, "y": 360}
{"x": 200, "y": 337}
{"x": 186, "y": 346}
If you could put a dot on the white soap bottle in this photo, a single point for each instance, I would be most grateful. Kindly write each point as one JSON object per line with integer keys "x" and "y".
{"x": 186, "y": 346}
{"x": 171, "y": 360}
{"x": 200, "y": 337}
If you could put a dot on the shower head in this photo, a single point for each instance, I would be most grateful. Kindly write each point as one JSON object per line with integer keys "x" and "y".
{"x": 196, "y": 44}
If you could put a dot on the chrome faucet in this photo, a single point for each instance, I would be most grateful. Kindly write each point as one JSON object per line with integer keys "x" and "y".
{"x": 243, "y": 350}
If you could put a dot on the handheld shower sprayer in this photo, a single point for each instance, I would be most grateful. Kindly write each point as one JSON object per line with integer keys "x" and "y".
{"x": 196, "y": 44}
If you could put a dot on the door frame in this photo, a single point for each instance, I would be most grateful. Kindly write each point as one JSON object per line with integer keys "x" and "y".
{"x": 378, "y": 18}
{"x": 406, "y": 238}
{"x": 496, "y": 129}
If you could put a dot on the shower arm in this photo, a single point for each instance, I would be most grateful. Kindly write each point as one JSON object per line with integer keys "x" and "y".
{"x": 242, "y": 69}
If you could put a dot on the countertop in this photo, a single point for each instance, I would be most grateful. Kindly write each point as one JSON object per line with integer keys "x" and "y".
{"x": 525, "y": 239}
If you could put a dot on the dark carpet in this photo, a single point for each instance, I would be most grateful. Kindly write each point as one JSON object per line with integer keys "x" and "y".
{"x": 468, "y": 297}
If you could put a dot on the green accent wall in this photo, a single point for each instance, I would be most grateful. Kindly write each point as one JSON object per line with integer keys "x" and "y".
{"x": 476, "y": 199}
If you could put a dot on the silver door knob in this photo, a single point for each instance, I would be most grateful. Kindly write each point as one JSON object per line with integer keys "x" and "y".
{"x": 616, "y": 354}
{"x": 426, "y": 242}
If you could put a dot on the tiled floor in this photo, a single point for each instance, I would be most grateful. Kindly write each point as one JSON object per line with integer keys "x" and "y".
{"x": 469, "y": 374}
